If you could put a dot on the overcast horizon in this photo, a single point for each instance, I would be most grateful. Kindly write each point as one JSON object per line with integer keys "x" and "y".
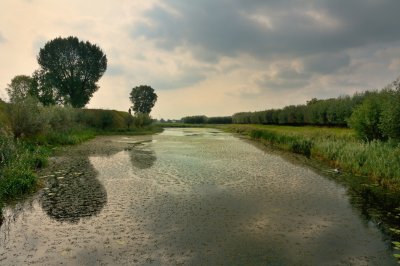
{"x": 214, "y": 58}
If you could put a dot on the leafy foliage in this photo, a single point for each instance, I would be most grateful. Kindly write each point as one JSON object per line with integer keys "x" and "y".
{"x": 202, "y": 119}
{"x": 143, "y": 99}
{"x": 21, "y": 86}
{"x": 142, "y": 119}
{"x": 329, "y": 112}
{"x": 26, "y": 118}
{"x": 69, "y": 70}
{"x": 390, "y": 115}
{"x": 378, "y": 117}
{"x": 196, "y": 119}
{"x": 366, "y": 118}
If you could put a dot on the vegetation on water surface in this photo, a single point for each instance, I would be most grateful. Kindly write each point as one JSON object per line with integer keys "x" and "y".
{"x": 370, "y": 169}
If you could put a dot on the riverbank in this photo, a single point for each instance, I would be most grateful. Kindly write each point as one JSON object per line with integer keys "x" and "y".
{"x": 22, "y": 158}
{"x": 376, "y": 163}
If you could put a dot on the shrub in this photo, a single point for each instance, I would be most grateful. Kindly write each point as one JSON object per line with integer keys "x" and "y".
{"x": 26, "y": 118}
{"x": 142, "y": 119}
{"x": 61, "y": 118}
{"x": 365, "y": 119}
{"x": 102, "y": 119}
{"x": 390, "y": 115}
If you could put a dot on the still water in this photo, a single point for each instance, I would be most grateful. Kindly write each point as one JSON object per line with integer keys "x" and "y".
{"x": 186, "y": 197}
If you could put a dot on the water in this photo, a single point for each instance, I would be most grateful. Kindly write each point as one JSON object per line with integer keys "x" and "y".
{"x": 186, "y": 197}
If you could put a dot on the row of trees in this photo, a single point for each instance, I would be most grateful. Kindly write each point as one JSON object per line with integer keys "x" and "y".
{"x": 69, "y": 70}
{"x": 329, "y": 112}
{"x": 202, "y": 119}
{"x": 373, "y": 114}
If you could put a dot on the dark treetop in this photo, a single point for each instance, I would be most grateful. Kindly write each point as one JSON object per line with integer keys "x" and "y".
{"x": 143, "y": 99}
{"x": 72, "y": 68}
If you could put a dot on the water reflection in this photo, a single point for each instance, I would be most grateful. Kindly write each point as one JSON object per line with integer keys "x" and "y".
{"x": 74, "y": 192}
{"x": 72, "y": 195}
{"x": 142, "y": 157}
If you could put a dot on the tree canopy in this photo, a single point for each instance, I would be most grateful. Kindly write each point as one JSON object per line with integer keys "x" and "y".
{"x": 69, "y": 70}
{"x": 20, "y": 87}
{"x": 143, "y": 99}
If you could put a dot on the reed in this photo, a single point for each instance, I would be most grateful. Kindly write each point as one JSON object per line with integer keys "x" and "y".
{"x": 377, "y": 160}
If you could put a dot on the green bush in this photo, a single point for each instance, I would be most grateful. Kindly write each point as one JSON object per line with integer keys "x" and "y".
{"x": 142, "y": 119}
{"x": 61, "y": 118}
{"x": 390, "y": 115}
{"x": 27, "y": 118}
{"x": 366, "y": 118}
{"x": 102, "y": 119}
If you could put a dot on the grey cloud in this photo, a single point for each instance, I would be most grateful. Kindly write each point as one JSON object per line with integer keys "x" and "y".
{"x": 326, "y": 63}
{"x": 286, "y": 78}
{"x": 181, "y": 81}
{"x": 115, "y": 70}
{"x": 221, "y": 28}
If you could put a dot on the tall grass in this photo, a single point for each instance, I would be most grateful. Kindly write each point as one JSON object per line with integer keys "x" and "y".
{"x": 379, "y": 161}
{"x": 18, "y": 161}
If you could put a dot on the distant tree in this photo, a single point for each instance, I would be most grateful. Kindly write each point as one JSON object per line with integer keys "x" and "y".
{"x": 20, "y": 87}
{"x": 143, "y": 99}
{"x": 71, "y": 68}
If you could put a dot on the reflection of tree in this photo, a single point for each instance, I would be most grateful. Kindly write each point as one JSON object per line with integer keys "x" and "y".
{"x": 141, "y": 157}
{"x": 75, "y": 195}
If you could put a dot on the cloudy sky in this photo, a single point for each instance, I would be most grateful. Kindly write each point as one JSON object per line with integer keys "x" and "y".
{"x": 214, "y": 57}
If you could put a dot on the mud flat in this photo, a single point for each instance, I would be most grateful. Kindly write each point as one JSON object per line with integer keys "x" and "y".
{"x": 186, "y": 197}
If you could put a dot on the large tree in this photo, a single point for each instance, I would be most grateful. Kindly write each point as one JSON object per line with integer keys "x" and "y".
{"x": 143, "y": 99}
{"x": 72, "y": 68}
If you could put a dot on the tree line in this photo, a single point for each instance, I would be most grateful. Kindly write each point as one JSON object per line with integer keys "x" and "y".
{"x": 373, "y": 114}
{"x": 202, "y": 119}
{"x": 328, "y": 112}
{"x": 69, "y": 70}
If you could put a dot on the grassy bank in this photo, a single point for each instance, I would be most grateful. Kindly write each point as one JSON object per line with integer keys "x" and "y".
{"x": 21, "y": 158}
{"x": 29, "y": 133}
{"x": 373, "y": 167}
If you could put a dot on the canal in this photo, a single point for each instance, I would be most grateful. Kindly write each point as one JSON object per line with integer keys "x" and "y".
{"x": 186, "y": 197}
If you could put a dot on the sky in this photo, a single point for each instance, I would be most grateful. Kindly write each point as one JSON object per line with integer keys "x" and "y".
{"x": 214, "y": 57}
